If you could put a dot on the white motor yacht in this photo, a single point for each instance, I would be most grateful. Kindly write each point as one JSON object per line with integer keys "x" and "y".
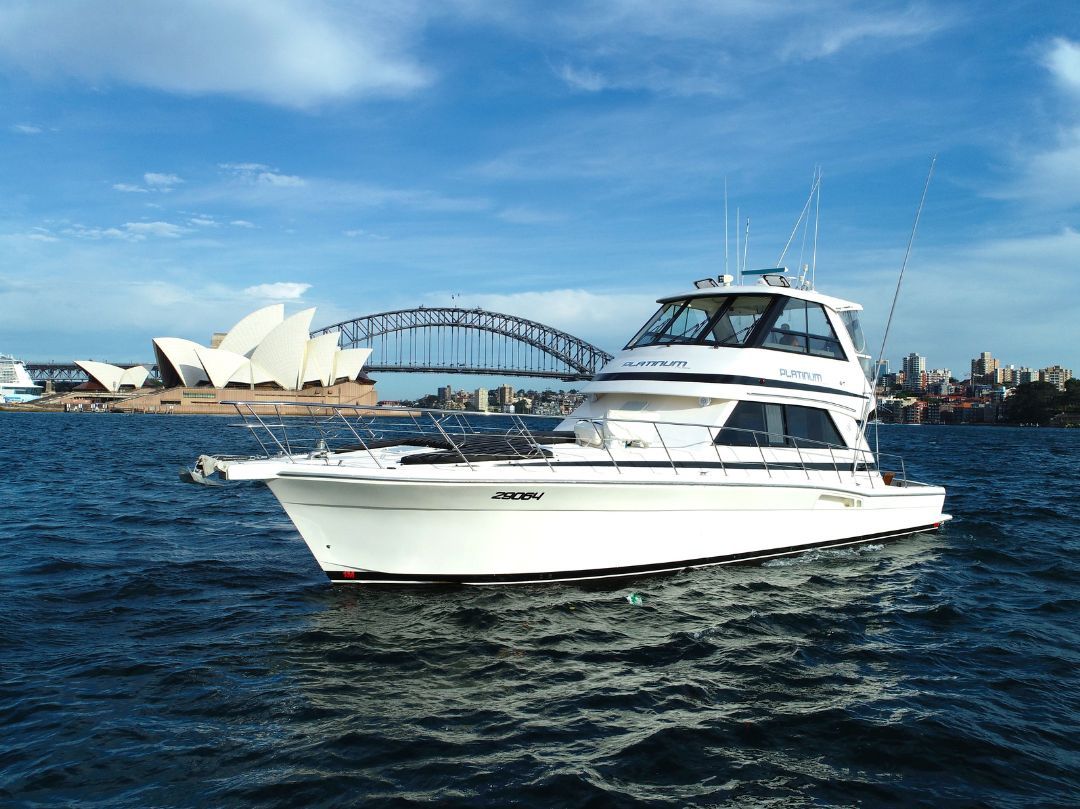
{"x": 730, "y": 428}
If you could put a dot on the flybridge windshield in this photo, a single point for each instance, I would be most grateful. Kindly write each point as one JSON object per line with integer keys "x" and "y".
{"x": 775, "y": 322}
{"x": 719, "y": 320}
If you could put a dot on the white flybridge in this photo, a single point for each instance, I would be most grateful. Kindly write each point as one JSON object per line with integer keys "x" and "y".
{"x": 729, "y": 428}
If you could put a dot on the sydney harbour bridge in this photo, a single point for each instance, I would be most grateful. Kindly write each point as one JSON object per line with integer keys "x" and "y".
{"x": 444, "y": 340}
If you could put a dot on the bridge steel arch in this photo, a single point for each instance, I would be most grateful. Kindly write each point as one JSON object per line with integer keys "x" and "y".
{"x": 468, "y": 341}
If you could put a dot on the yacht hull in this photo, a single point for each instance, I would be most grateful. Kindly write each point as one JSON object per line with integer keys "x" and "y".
{"x": 428, "y": 531}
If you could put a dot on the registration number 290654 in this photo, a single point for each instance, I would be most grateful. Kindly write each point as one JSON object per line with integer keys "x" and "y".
{"x": 517, "y": 495}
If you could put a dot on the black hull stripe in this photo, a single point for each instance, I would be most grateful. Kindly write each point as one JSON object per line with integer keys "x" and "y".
{"x": 371, "y": 577}
{"x": 719, "y": 379}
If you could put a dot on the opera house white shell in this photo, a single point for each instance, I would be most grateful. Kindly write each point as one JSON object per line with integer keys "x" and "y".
{"x": 113, "y": 377}
{"x": 264, "y": 349}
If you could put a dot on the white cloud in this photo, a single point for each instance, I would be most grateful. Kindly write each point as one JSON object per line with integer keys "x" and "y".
{"x": 162, "y": 181}
{"x": 41, "y": 235}
{"x": 249, "y": 184}
{"x": 242, "y": 223}
{"x": 1051, "y": 177}
{"x": 952, "y": 306}
{"x": 261, "y": 174}
{"x": 358, "y": 233}
{"x": 606, "y": 319}
{"x": 139, "y": 230}
{"x": 153, "y": 182}
{"x": 118, "y": 318}
{"x": 689, "y": 48}
{"x": 244, "y": 167}
{"x": 280, "y": 291}
{"x": 525, "y": 215}
{"x": 203, "y": 221}
{"x": 82, "y": 232}
{"x": 582, "y": 78}
{"x": 853, "y": 27}
{"x": 130, "y": 231}
{"x": 26, "y": 129}
{"x": 1063, "y": 60}
{"x": 291, "y": 53}
{"x": 280, "y": 180}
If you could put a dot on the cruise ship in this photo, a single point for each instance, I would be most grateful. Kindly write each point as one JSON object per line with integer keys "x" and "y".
{"x": 16, "y": 386}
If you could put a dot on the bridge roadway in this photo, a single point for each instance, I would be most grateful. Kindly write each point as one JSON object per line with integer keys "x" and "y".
{"x": 436, "y": 340}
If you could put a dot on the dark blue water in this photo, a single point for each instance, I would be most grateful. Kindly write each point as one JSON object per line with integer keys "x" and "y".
{"x": 173, "y": 645}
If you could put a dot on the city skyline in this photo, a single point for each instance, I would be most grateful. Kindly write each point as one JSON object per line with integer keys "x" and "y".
{"x": 169, "y": 169}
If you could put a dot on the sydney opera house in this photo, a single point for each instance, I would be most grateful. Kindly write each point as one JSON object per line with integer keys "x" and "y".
{"x": 266, "y": 356}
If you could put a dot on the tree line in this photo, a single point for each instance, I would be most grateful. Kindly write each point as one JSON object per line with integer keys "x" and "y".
{"x": 1042, "y": 403}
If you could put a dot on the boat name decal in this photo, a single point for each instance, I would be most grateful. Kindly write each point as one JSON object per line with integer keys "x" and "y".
{"x": 655, "y": 364}
{"x": 517, "y": 495}
{"x": 806, "y": 376}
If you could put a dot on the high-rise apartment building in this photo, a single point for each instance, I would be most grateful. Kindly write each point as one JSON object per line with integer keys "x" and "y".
{"x": 985, "y": 370}
{"x": 914, "y": 372}
{"x": 480, "y": 400}
{"x": 1055, "y": 375}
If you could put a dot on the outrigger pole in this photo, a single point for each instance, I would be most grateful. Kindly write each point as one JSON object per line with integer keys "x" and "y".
{"x": 896, "y": 297}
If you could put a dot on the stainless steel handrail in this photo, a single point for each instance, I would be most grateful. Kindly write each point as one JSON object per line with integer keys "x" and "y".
{"x": 446, "y": 424}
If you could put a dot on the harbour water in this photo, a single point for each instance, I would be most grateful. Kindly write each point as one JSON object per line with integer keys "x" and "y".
{"x": 173, "y": 645}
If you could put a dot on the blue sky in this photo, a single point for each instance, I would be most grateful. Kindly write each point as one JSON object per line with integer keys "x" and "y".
{"x": 167, "y": 168}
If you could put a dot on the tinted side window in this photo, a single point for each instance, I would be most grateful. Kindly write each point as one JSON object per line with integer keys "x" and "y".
{"x": 771, "y": 425}
{"x": 754, "y": 424}
{"x": 803, "y": 327}
{"x": 811, "y": 427}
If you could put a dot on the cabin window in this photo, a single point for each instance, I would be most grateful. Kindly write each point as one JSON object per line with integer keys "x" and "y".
{"x": 737, "y": 322}
{"x": 850, "y": 320}
{"x": 678, "y": 322}
{"x": 772, "y": 425}
{"x": 715, "y": 320}
{"x": 803, "y": 327}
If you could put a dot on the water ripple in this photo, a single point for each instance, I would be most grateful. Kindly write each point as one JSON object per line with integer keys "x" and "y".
{"x": 166, "y": 645}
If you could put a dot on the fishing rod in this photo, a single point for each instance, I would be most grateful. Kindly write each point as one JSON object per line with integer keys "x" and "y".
{"x": 896, "y": 297}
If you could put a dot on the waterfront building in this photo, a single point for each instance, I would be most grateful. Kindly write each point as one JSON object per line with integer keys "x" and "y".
{"x": 506, "y": 394}
{"x": 113, "y": 378}
{"x": 446, "y": 394}
{"x": 913, "y": 413}
{"x": 265, "y": 356}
